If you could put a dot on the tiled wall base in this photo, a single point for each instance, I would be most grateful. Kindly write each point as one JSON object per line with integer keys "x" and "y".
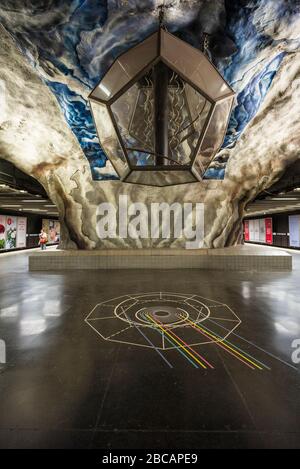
{"x": 240, "y": 258}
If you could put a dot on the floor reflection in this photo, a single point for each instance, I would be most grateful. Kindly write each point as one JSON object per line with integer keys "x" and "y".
{"x": 63, "y": 386}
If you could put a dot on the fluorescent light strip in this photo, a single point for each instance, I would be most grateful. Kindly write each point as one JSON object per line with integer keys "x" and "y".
{"x": 35, "y": 201}
{"x": 9, "y": 206}
{"x": 284, "y": 198}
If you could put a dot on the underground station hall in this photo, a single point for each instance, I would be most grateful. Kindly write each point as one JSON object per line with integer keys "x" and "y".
{"x": 149, "y": 228}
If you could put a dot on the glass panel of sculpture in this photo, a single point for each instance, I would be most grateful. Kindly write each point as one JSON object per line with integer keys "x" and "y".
{"x": 125, "y": 68}
{"x": 108, "y": 137}
{"x": 194, "y": 65}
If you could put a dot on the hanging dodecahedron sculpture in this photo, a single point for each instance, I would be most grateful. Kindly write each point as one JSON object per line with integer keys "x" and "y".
{"x": 161, "y": 112}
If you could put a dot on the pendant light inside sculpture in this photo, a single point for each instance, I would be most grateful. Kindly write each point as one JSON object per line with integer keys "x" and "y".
{"x": 161, "y": 112}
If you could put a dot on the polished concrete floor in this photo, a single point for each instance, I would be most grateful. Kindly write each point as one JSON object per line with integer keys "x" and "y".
{"x": 65, "y": 386}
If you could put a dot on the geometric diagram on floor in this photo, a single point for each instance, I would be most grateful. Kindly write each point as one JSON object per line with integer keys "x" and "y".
{"x": 170, "y": 321}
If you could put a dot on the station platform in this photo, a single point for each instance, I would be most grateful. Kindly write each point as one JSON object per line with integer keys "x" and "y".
{"x": 238, "y": 258}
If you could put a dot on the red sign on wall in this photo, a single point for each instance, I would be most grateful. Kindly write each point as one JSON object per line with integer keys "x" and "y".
{"x": 269, "y": 230}
{"x": 246, "y": 230}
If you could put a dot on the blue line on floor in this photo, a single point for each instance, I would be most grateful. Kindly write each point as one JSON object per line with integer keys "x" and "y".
{"x": 155, "y": 348}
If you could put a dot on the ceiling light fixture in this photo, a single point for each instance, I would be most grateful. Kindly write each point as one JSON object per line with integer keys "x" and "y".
{"x": 284, "y": 198}
{"x": 9, "y": 205}
{"x": 34, "y": 201}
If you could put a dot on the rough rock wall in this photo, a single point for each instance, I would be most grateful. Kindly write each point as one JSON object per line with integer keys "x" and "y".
{"x": 71, "y": 44}
{"x": 35, "y": 137}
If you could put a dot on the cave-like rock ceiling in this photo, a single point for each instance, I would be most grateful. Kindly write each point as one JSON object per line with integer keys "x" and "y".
{"x": 71, "y": 44}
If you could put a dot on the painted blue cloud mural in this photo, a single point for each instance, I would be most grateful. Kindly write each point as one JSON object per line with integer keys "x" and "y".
{"x": 71, "y": 43}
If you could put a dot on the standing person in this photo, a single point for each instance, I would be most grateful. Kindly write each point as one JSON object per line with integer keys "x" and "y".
{"x": 43, "y": 239}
